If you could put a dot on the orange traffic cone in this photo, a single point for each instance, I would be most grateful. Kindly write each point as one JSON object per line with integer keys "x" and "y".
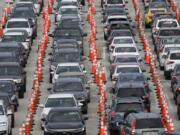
{"x": 104, "y": 74}
{"x": 1, "y": 31}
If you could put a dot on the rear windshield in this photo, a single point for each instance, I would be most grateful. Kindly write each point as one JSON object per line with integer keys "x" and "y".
{"x": 125, "y": 60}
{"x": 121, "y": 33}
{"x": 125, "y": 49}
{"x": 19, "y": 24}
{"x": 128, "y": 70}
{"x": 167, "y": 24}
{"x": 131, "y": 92}
{"x": 123, "y": 107}
{"x": 175, "y": 56}
{"x": 169, "y": 32}
{"x": 149, "y": 123}
{"x": 123, "y": 41}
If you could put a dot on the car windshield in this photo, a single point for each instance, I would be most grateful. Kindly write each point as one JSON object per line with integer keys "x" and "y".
{"x": 1, "y": 110}
{"x": 64, "y": 116}
{"x": 127, "y": 70}
{"x": 125, "y": 49}
{"x": 17, "y": 38}
{"x": 130, "y": 92}
{"x": 67, "y": 57}
{"x": 149, "y": 123}
{"x": 6, "y": 87}
{"x": 125, "y": 60}
{"x": 63, "y": 69}
{"x": 123, "y": 107}
{"x": 115, "y": 2}
{"x": 175, "y": 56}
{"x": 123, "y": 41}
{"x": 82, "y": 77}
{"x": 60, "y": 102}
{"x": 167, "y": 24}
{"x": 69, "y": 34}
{"x": 23, "y": 13}
{"x": 68, "y": 87}
{"x": 126, "y": 78}
{"x": 169, "y": 32}
{"x": 9, "y": 71}
{"x": 154, "y": 11}
{"x": 120, "y": 26}
{"x": 69, "y": 11}
{"x": 157, "y": 5}
{"x": 171, "y": 49}
{"x": 18, "y": 24}
{"x": 114, "y": 11}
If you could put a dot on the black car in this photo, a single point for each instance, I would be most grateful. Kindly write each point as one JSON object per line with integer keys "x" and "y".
{"x": 16, "y": 48}
{"x": 65, "y": 121}
{"x": 13, "y": 71}
{"x": 9, "y": 87}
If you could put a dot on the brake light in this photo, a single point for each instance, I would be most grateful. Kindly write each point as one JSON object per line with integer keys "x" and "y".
{"x": 133, "y": 127}
{"x": 113, "y": 114}
{"x": 170, "y": 62}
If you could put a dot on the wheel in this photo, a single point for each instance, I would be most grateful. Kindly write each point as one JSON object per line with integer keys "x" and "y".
{"x": 21, "y": 94}
{"x": 50, "y": 78}
{"x": 12, "y": 123}
{"x": 105, "y": 37}
{"x": 10, "y": 132}
{"x": 161, "y": 67}
{"x": 166, "y": 75}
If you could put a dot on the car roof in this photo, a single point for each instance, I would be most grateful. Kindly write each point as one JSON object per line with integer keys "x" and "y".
{"x": 57, "y": 95}
{"x": 68, "y": 64}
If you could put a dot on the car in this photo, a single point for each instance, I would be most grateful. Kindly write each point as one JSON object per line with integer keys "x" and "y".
{"x": 5, "y": 123}
{"x": 154, "y": 7}
{"x": 139, "y": 78}
{"x": 175, "y": 76}
{"x": 133, "y": 90}
{"x": 66, "y": 67}
{"x": 58, "y": 101}
{"x": 123, "y": 40}
{"x": 12, "y": 70}
{"x": 164, "y": 33}
{"x": 123, "y": 59}
{"x": 126, "y": 68}
{"x": 118, "y": 33}
{"x": 172, "y": 58}
{"x": 19, "y": 23}
{"x": 124, "y": 50}
{"x": 27, "y": 13}
{"x": 10, "y": 88}
{"x": 17, "y": 49}
{"x": 74, "y": 86}
{"x": 117, "y": 110}
{"x": 68, "y": 121}
{"x": 64, "y": 10}
{"x": 163, "y": 53}
{"x": 152, "y": 123}
{"x": 18, "y": 37}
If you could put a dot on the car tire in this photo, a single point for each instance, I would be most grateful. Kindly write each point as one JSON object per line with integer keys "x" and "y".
{"x": 85, "y": 111}
{"x": 21, "y": 94}
{"x": 10, "y": 132}
{"x": 161, "y": 67}
{"x": 12, "y": 123}
{"x": 105, "y": 37}
{"x": 16, "y": 108}
{"x": 166, "y": 75}
{"x": 50, "y": 78}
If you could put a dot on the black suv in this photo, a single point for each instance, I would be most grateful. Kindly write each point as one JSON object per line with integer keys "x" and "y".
{"x": 13, "y": 71}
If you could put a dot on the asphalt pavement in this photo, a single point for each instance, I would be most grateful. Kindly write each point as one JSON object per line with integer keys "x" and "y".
{"x": 93, "y": 121}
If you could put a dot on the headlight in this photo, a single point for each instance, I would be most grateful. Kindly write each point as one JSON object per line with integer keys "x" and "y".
{"x": 53, "y": 67}
{"x": 17, "y": 80}
{"x": 2, "y": 124}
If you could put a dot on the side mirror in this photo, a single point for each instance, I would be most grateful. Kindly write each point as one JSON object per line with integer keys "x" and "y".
{"x": 84, "y": 34}
{"x": 85, "y": 118}
{"x": 80, "y": 104}
{"x": 9, "y": 112}
{"x": 51, "y": 35}
{"x": 41, "y": 106}
{"x": 49, "y": 89}
{"x": 143, "y": 70}
{"x": 50, "y": 53}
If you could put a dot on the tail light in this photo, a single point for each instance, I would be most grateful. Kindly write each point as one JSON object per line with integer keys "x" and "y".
{"x": 113, "y": 114}
{"x": 133, "y": 127}
{"x": 170, "y": 62}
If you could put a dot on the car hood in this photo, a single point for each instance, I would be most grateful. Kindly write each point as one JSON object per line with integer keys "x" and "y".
{"x": 64, "y": 125}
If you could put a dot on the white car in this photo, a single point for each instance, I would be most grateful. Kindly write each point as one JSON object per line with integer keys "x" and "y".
{"x": 19, "y": 24}
{"x": 124, "y": 50}
{"x": 66, "y": 67}
{"x": 5, "y": 121}
{"x": 163, "y": 53}
{"x": 121, "y": 41}
{"x": 58, "y": 100}
{"x": 65, "y": 10}
{"x": 18, "y": 36}
{"x": 126, "y": 68}
{"x": 172, "y": 58}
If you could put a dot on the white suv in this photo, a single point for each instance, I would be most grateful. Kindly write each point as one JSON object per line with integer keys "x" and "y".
{"x": 5, "y": 121}
{"x": 172, "y": 58}
{"x": 19, "y": 24}
{"x": 163, "y": 53}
